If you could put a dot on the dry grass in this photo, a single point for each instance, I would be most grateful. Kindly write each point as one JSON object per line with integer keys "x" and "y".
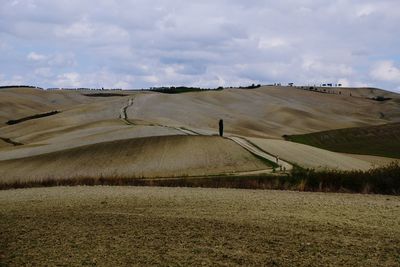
{"x": 383, "y": 180}
{"x": 120, "y": 226}
{"x": 311, "y": 157}
{"x": 163, "y": 156}
{"x": 382, "y": 140}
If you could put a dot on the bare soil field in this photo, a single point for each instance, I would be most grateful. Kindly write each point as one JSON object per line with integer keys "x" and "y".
{"x": 312, "y": 157}
{"x": 165, "y": 156}
{"x": 125, "y": 226}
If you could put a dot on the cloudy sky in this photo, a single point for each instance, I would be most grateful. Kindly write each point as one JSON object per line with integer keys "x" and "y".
{"x": 207, "y": 43}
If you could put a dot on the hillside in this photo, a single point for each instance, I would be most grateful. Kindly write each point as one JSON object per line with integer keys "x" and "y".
{"x": 104, "y": 118}
{"x": 3, "y": 143}
{"x": 22, "y": 102}
{"x": 267, "y": 111}
{"x": 381, "y": 140}
{"x": 166, "y": 156}
{"x": 311, "y": 157}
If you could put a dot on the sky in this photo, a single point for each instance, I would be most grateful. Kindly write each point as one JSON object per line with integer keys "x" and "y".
{"x": 203, "y": 43}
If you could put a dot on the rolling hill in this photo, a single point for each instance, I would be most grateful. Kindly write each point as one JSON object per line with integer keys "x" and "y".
{"x": 267, "y": 111}
{"x": 381, "y": 140}
{"x": 93, "y": 126}
{"x": 148, "y": 157}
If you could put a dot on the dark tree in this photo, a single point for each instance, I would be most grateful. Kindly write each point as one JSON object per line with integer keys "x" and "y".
{"x": 221, "y": 127}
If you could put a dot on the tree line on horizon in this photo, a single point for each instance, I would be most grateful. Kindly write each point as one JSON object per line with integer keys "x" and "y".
{"x": 184, "y": 89}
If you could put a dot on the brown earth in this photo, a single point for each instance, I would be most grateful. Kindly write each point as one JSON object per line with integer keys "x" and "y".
{"x": 126, "y": 226}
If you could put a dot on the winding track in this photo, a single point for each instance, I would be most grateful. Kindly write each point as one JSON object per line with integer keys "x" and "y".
{"x": 243, "y": 142}
{"x": 259, "y": 152}
{"x": 124, "y": 117}
{"x": 122, "y": 112}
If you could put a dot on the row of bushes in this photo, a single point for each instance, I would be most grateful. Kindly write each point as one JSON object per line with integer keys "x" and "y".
{"x": 380, "y": 98}
{"x": 253, "y": 86}
{"x": 184, "y": 89}
{"x": 180, "y": 89}
{"x": 104, "y": 95}
{"x": 36, "y": 116}
{"x": 19, "y": 86}
{"x": 385, "y": 180}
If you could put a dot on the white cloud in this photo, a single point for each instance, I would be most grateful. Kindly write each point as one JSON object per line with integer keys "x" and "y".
{"x": 82, "y": 29}
{"x": 121, "y": 85}
{"x": 62, "y": 60}
{"x": 344, "y": 82}
{"x": 70, "y": 79}
{"x": 330, "y": 69}
{"x": 204, "y": 43}
{"x": 365, "y": 10}
{"x": 14, "y": 80}
{"x": 273, "y": 42}
{"x": 43, "y": 72}
{"x": 98, "y": 79}
{"x": 151, "y": 79}
{"x": 386, "y": 71}
{"x": 36, "y": 56}
{"x": 66, "y": 59}
{"x": 360, "y": 84}
{"x": 4, "y": 45}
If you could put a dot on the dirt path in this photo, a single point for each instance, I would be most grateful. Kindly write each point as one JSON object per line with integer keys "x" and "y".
{"x": 124, "y": 117}
{"x": 186, "y": 131}
{"x": 259, "y": 152}
{"x": 122, "y": 113}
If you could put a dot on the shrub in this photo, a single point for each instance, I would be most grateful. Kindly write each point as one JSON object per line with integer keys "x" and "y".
{"x": 385, "y": 180}
{"x": 36, "y": 116}
{"x": 381, "y": 98}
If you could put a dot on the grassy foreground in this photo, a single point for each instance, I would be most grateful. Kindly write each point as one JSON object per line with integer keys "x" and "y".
{"x": 122, "y": 226}
{"x": 381, "y": 140}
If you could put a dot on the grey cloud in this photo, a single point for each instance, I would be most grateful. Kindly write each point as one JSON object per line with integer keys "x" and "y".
{"x": 205, "y": 43}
